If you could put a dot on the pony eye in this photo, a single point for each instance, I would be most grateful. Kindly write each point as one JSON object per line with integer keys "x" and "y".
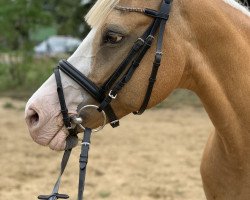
{"x": 113, "y": 38}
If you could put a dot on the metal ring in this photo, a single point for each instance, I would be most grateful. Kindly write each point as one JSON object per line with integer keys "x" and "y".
{"x": 103, "y": 114}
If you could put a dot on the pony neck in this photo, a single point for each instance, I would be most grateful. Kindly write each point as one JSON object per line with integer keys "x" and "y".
{"x": 219, "y": 68}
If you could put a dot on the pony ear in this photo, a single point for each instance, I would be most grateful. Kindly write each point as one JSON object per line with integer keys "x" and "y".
{"x": 99, "y": 12}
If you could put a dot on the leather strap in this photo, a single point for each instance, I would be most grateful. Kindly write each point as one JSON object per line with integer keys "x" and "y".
{"x": 64, "y": 110}
{"x": 122, "y": 67}
{"x": 55, "y": 195}
{"x": 87, "y": 85}
{"x": 128, "y": 75}
{"x": 166, "y": 7}
{"x": 82, "y": 172}
{"x": 83, "y": 162}
{"x": 80, "y": 79}
{"x": 160, "y": 21}
{"x": 140, "y": 48}
{"x": 137, "y": 53}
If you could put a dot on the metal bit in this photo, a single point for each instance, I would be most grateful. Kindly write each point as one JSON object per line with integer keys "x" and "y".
{"x": 77, "y": 120}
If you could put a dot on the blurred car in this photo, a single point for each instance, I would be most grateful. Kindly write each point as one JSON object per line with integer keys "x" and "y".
{"x": 55, "y": 45}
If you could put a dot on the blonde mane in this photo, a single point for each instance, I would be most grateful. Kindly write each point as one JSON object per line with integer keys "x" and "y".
{"x": 102, "y": 8}
{"x": 100, "y": 11}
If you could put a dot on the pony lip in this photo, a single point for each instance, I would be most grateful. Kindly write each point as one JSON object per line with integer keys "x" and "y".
{"x": 58, "y": 142}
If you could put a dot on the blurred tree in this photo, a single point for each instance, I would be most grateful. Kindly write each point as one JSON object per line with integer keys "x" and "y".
{"x": 20, "y": 18}
{"x": 17, "y": 19}
{"x": 68, "y": 15}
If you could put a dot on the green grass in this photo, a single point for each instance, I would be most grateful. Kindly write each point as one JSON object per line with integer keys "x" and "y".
{"x": 8, "y": 105}
{"x": 104, "y": 194}
{"x": 21, "y": 79}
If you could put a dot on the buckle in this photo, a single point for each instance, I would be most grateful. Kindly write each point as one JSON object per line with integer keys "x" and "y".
{"x": 111, "y": 95}
{"x": 159, "y": 53}
{"x": 149, "y": 40}
{"x": 140, "y": 40}
{"x": 114, "y": 122}
{"x": 138, "y": 44}
{"x": 85, "y": 143}
{"x": 151, "y": 37}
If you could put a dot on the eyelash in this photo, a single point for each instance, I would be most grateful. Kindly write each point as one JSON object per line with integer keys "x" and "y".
{"x": 108, "y": 38}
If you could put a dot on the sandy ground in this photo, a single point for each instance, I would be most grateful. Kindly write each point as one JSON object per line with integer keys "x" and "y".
{"x": 154, "y": 156}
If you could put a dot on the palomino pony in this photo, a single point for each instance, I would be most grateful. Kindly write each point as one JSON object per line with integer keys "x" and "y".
{"x": 206, "y": 49}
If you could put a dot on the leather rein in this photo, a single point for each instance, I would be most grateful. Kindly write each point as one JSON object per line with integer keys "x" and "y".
{"x": 108, "y": 91}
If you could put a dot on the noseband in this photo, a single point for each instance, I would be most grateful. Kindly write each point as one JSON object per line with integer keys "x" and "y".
{"x": 109, "y": 90}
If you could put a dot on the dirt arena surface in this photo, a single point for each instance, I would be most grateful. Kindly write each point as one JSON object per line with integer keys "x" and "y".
{"x": 154, "y": 156}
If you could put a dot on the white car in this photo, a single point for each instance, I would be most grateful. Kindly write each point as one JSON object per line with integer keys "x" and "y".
{"x": 55, "y": 45}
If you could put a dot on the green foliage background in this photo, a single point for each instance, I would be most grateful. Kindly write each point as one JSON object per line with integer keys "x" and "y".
{"x": 23, "y": 24}
{"x": 20, "y": 18}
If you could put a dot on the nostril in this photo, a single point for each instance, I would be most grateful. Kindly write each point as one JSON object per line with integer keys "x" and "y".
{"x": 33, "y": 117}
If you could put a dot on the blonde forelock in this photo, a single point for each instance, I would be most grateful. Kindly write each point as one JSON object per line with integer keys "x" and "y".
{"x": 99, "y": 12}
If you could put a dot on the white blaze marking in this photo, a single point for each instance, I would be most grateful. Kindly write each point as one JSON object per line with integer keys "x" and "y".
{"x": 82, "y": 58}
{"x": 238, "y": 6}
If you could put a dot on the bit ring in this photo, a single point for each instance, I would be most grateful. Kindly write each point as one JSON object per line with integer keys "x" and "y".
{"x": 103, "y": 114}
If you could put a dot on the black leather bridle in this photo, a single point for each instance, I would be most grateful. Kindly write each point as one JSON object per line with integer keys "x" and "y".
{"x": 109, "y": 90}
